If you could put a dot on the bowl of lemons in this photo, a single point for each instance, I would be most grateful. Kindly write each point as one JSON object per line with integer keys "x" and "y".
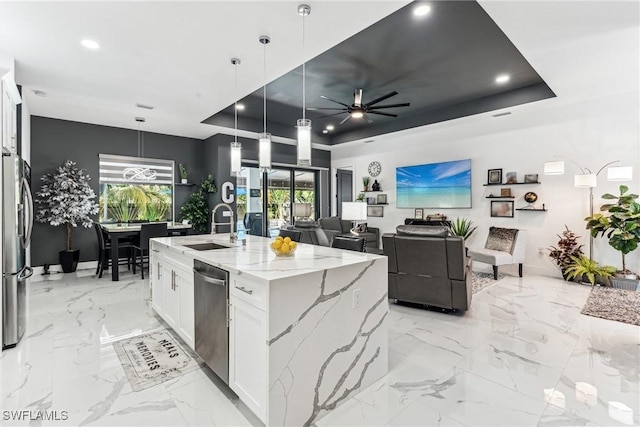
{"x": 283, "y": 246}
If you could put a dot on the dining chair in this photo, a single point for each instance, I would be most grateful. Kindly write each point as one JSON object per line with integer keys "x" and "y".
{"x": 104, "y": 250}
{"x": 147, "y": 231}
{"x": 292, "y": 234}
{"x": 349, "y": 243}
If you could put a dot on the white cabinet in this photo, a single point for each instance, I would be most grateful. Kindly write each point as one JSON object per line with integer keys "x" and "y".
{"x": 9, "y": 101}
{"x": 172, "y": 292}
{"x": 247, "y": 347}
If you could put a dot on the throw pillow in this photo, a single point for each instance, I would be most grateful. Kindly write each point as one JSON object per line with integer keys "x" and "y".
{"x": 501, "y": 239}
{"x": 422, "y": 230}
{"x": 360, "y": 228}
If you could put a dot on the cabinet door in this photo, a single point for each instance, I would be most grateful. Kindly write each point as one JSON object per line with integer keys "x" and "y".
{"x": 171, "y": 297}
{"x": 156, "y": 273}
{"x": 247, "y": 355}
{"x": 184, "y": 284}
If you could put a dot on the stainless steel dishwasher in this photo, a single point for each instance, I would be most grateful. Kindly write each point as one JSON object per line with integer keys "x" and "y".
{"x": 211, "y": 292}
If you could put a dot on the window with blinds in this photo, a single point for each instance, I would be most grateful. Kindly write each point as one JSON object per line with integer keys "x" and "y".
{"x": 136, "y": 189}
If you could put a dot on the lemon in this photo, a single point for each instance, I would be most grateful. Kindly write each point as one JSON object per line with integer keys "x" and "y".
{"x": 287, "y": 239}
{"x": 293, "y": 245}
{"x": 279, "y": 238}
{"x": 284, "y": 248}
{"x": 276, "y": 244}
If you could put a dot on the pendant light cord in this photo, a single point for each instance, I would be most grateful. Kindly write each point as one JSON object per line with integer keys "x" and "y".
{"x": 304, "y": 92}
{"x": 235, "y": 104}
{"x": 264, "y": 89}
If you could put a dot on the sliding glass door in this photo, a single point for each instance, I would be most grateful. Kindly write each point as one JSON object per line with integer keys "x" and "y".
{"x": 278, "y": 209}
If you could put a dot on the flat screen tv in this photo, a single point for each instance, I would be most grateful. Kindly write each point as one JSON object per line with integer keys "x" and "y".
{"x": 434, "y": 185}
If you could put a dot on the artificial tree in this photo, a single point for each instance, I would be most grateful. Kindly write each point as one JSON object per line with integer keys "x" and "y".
{"x": 66, "y": 198}
{"x": 621, "y": 226}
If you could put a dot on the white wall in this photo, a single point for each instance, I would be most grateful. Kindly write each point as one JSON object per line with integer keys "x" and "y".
{"x": 590, "y": 132}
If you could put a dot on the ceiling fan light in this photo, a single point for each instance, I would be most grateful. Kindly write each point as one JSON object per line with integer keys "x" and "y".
{"x": 357, "y": 114}
{"x": 304, "y": 142}
{"x": 264, "y": 147}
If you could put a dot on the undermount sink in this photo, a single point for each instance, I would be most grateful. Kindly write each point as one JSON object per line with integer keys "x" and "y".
{"x": 205, "y": 246}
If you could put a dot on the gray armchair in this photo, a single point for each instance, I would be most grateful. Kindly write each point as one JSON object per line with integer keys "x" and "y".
{"x": 327, "y": 228}
{"x": 428, "y": 266}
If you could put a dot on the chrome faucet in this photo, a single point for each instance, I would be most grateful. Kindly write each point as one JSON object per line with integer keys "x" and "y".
{"x": 231, "y": 223}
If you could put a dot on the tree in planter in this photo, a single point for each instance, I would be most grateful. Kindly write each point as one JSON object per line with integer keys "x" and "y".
{"x": 567, "y": 250}
{"x": 622, "y": 226}
{"x": 196, "y": 209}
{"x": 66, "y": 198}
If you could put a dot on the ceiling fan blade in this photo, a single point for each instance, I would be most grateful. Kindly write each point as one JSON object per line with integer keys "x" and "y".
{"x": 345, "y": 119}
{"x": 331, "y": 115}
{"x": 367, "y": 119}
{"x": 357, "y": 98}
{"x": 382, "y": 98}
{"x": 333, "y": 100}
{"x": 320, "y": 108}
{"x": 405, "y": 104}
{"x": 382, "y": 114}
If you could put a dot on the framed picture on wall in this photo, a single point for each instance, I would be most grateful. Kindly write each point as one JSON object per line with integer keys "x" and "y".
{"x": 531, "y": 178}
{"x": 494, "y": 176}
{"x": 512, "y": 177}
{"x": 375, "y": 211}
{"x": 419, "y": 213}
{"x": 381, "y": 199}
{"x": 502, "y": 209}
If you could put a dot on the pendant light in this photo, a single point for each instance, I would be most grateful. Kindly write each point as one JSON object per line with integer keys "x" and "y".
{"x": 304, "y": 124}
{"x": 264, "y": 146}
{"x": 236, "y": 147}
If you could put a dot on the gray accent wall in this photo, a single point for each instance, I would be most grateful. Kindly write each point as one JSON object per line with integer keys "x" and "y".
{"x": 53, "y": 141}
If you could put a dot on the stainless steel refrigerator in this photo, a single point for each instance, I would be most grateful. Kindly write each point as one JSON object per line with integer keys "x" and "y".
{"x": 17, "y": 223}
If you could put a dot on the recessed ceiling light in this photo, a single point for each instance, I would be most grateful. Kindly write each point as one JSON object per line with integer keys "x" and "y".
{"x": 325, "y": 131}
{"x": 39, "y": 93}
{"x": 368, "y": 141}
{"x": 330, "y": 127}
{"x": 90, "y": 44}
{"x": 144, "y": 106}
{"x": 503, "y": 78}
{"x": 422, "y": 10}
{"x": 506, "y": 113}
{"x": 240, "y": 107}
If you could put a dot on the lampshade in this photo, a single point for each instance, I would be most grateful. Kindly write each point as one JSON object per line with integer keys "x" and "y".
{"x": 587, "y": 180}
{"x": 302, "y": 210}
{"x": 304, "y": 142}
{"x": 354, "y": 211}
{"x": 236, "y": 158}
{"x": 554, "y": 168}
{"x": 620, "y": 173}
{"x": 265, "y": 152}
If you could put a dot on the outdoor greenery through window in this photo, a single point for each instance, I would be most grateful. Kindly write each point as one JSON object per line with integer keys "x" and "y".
{"x": 135, "y": 189}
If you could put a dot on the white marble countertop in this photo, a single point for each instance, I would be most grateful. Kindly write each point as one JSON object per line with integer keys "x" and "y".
{"x": 256, "y": 259}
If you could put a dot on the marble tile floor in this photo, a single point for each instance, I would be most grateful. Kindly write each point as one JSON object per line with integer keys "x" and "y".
{"x": 523, "y": 355}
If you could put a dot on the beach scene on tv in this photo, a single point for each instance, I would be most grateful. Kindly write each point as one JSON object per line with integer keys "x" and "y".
{"x": 434, "y": 185}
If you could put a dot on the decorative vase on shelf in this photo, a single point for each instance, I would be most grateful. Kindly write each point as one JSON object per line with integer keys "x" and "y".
{"x": 183, "y": 181}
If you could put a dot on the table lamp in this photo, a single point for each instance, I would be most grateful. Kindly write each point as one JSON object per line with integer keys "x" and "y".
{"x": 301, "y": 213}
{"x": 354, "y": 211}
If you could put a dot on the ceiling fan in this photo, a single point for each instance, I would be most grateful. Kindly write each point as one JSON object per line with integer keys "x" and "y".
{"x": 359, "y": 110}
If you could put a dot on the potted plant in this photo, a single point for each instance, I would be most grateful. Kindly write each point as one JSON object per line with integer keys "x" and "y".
{"x": 183, "y": 173}
{"x": 365, "y": 182}
{"x": 66, "y": 198}
{"x": 462, "y": 227}
{"x": 584, "y": 267}
{"x": 566, "y": 249}
{"x": 621, "y": 226}
{"x": 196, "y": 209}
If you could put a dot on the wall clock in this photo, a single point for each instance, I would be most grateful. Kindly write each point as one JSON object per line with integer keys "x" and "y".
{"x": 374, "y": 168}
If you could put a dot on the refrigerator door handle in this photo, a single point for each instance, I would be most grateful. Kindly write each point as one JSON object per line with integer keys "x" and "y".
{"x": 25, "y": 273}
{"x": 27, "y": 192}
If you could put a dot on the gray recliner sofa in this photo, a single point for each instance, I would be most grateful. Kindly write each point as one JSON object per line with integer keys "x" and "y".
{"x": 322, "y": 232}
{"x": 428, "y": 266}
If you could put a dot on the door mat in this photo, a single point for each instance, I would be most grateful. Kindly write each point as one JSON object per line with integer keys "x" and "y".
{"x": 614, "y": 304}
{"x": 480, "y": 281}
{"x": 153, "y": 358}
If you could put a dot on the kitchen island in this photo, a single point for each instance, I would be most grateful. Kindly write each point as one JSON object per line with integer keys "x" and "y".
{"x": 306, "y": 332}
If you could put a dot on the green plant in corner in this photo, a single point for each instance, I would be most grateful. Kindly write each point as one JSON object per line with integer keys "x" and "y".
{"x": 462, "y": 227}
{"x": 584, "y": 267}
{"x": 196, "y": 209}
{"x": 621, "y": 226}
{"x": 183, "y": 171}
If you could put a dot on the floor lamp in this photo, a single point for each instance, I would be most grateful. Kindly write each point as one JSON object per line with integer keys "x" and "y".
{"x": 587, "y": 179}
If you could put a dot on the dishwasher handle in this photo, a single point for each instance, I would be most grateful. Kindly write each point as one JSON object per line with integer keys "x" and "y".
{"x": 208, "y": 279}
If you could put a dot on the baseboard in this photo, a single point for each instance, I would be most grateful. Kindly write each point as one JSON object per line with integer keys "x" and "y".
{"x": 38, "y": 272}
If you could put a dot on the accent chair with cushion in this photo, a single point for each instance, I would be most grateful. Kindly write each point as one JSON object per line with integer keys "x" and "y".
{"x": 428, "y": 266}
{"x": 504, "y": 246}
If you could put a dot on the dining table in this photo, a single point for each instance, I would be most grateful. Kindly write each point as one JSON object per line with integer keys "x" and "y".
{"x": 118, "y": 231}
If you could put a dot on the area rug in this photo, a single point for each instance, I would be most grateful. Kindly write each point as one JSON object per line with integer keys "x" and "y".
{"x": 614, "y": 304}
{"x": 153, "y": 358}
{"x": 480, "y": 281}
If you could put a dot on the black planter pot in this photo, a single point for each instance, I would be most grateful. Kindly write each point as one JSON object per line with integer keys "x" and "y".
{"x": 69, "y": 260}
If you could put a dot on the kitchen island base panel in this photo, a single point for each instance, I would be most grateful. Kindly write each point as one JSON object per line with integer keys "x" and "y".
{"x": 328, "y": 343}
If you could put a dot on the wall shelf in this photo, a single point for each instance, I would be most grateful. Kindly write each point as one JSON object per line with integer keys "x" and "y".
{"x": 512, "y": 183}
{"x": 531, "y": 210}
{"x": 499, "y": 197}
{"x": 188, "y": 184}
